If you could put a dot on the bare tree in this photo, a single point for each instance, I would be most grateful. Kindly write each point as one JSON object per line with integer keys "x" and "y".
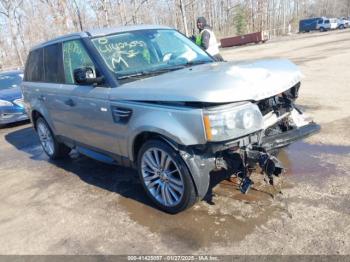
{"x": 27, "y": 22}
{"x": 184, "y": 18}
{"x": 78, "y": 15}
{"x": 8, "y": 8}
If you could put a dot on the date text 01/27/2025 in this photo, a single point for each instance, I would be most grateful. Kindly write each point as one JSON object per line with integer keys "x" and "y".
{"x": 173, "y": 258}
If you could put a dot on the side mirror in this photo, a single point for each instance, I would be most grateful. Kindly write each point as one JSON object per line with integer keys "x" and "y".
{"x": 87, "y": 76}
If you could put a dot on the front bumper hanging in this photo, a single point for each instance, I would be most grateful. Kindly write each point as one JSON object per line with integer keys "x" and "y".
{"x": 288, "y": 137}
{"x": 259, "y": 155}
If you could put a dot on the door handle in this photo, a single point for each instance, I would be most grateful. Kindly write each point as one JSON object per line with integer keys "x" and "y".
{"x": 70, "y": 102}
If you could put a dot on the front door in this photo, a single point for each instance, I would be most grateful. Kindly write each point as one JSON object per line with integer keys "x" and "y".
{"x": 85, "y": 112}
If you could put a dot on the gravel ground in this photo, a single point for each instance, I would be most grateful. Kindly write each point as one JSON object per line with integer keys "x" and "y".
{"x": 80, "y": 206}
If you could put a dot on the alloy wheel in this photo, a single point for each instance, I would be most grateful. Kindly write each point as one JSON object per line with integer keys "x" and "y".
{"x": 162, "y": 177}
{"x": 45, "y": 138}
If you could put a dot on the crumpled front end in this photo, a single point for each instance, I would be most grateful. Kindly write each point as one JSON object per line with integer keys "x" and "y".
{"x": 283, "y": 124}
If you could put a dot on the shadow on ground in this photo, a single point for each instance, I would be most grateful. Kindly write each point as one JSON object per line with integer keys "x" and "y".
{"x": 116, "y": 179}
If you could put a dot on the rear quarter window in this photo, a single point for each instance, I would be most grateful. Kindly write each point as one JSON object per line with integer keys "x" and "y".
{"x": 34, "y": 71}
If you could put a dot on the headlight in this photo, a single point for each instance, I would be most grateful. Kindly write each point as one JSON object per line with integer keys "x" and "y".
{"x": 19, "y": 102}
{"x": 232, "y": 122}
{"x": 5, "y": 103}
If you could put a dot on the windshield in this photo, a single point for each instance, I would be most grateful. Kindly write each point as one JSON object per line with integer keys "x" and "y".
{"x": 8, "y": 81}
{"x": 146, "y": 51}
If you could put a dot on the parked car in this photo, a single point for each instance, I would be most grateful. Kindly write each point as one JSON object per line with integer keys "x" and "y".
{"x": 343, "y": 23}
{"x": 325, "y": 24}
{"x": 309, "y": 24}
{"x": 11, "y": 101}
{"x": 149, "y": 98}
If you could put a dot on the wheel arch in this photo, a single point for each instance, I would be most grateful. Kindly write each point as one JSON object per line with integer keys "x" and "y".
{"x": 144, "y": 136}
{"x": 35, "y": 114}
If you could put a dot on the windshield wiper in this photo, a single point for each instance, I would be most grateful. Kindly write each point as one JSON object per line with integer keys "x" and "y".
{"x": 150, "y": 72}
{"x": 199, "y": 62}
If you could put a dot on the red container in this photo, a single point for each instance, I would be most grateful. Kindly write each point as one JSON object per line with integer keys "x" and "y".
{"x": 244, "y": 39}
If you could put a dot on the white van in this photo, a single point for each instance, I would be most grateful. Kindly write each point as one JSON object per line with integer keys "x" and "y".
{"x": 325, "y": 24}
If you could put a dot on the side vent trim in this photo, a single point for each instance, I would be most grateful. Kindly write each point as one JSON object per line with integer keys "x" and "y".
{"x": 121, "y": 115}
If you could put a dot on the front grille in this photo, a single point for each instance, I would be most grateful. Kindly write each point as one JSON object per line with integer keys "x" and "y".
{"x": 268, "y": 105}
{"x": 281, "y": 103}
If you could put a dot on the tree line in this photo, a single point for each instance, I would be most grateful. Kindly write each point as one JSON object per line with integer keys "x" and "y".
{"x": 24, "y": 23}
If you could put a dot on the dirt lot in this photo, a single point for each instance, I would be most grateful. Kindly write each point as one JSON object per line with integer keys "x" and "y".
{"x": 80, "y": 206}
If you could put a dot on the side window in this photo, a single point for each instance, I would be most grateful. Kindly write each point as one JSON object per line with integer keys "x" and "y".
{"x": 53, "y": 64}
{"x": 75, "y": 56}
{"x": 35, "y": 66}
{"x": 326, "y": 21}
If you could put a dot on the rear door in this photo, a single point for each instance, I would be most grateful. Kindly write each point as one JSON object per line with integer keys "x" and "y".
{"x": 52, "y": 83}
{"x": 42, "y": 83}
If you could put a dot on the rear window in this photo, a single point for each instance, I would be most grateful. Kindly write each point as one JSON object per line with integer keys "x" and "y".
{"x": 53, "y": 64}
{"x": 35, "y": 66}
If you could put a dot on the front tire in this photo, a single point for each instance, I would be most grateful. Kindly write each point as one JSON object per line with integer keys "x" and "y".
{"x": 165, "y": 177}
{"x": 53, "y": 149}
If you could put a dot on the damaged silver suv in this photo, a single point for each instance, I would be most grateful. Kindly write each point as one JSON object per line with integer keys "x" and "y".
{"x": 149, "y": 98}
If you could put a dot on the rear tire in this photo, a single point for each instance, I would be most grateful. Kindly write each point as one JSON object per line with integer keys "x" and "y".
{"x": 165, "y": 177}
{"x": 53, "y": 149}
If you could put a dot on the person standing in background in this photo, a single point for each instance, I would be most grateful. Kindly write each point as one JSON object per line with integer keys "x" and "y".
{"x": 206, "y": 39}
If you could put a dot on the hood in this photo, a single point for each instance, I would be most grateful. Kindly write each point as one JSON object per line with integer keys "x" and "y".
{"x": 215, "y": 83}
{"x": 10, "y": 94}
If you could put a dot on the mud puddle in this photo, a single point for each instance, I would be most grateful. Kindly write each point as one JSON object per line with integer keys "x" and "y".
{"x": 311, "y": 162}
{"x": 203, "y": 224}
{"x": 225, "y": 215}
